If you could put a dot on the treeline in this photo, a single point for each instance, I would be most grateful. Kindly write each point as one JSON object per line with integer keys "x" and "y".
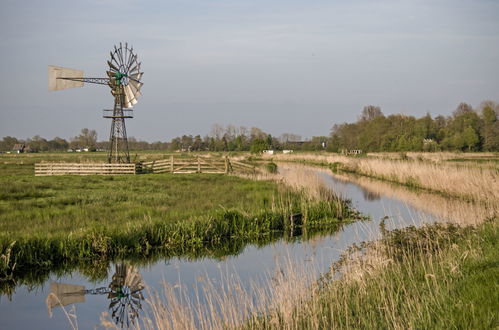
{"x": 229, "y": 138}
{"x": 467, "y": 129}
{"x": 86, "y": 140}
{"x": 232, "y": 138}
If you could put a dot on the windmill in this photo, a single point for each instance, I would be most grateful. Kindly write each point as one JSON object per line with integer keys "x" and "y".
{"x": 124, "y": 78}
{"x": 124, "y": 294}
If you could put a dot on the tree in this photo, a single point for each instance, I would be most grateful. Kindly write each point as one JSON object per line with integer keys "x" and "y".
{"x": 462, "y": 108}
{"x": 216, "y": 131}
{"x": 8, "y": 143}
{"x": 490, "y": 136}
{"x": 58, "y": 144}
{"x": 256, "y": 133}
{"x": 370, "y": 112}
{"x": 37, "y": 143}
{"x": 470, "y": 138}
{"x": 489, "y": 114}
{"x": 258, "y": 146}
{"x": 87, "y": 139}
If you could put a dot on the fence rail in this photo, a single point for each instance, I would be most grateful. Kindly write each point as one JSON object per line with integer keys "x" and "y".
{"x": 169, "y": 165}
{"x": 44, "y": 169}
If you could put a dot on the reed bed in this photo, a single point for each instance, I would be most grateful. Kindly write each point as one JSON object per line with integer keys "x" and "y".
{"x": 437, "y": 156}
{"x": 477, "y": 184}
{"x": 437, "y": 276}
{"x": 456, "y": 211}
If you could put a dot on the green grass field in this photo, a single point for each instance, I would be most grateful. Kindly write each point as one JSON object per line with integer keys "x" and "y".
{"x": 67, "y": 204}
{"x": 49, "y": 221}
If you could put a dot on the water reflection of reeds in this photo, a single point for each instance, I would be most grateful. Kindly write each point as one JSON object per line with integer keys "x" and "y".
{"x": 447, "y": 209}
{"x": 470, "y": 182}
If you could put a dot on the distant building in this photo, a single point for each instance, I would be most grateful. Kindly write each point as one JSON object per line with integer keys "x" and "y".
{"x": 19, "y": 148}
{"x": 287, "y": 151}
{"x": 268, "y": 152}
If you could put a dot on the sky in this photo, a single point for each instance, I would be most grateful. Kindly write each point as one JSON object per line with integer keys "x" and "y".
{"x": 285, "y": 66}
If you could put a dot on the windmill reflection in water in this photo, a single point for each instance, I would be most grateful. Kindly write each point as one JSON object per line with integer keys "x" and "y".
{"x": 124, "y": 293}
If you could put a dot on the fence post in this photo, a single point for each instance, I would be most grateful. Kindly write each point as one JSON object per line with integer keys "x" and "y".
{"x": 171, "y": 163}
{"x": 226, "y": 164}
{"x": 199, "y": 165}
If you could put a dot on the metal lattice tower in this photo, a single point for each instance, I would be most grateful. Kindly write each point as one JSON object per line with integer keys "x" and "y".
{"x": 124, "y": 78}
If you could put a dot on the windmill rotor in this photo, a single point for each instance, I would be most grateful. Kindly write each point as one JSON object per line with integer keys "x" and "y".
{"x": 124, "y": 79}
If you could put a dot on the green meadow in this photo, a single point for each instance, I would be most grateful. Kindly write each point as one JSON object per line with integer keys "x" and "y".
{"x": 49, "y": 221}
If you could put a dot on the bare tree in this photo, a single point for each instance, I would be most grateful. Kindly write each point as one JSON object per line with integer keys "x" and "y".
{"x": 462, "y": 108}
{"x": 370, "y": 112}
{"x": 217, "y": 131}
{"x": 289, "y": 137}
{"x": 87, "y": 138}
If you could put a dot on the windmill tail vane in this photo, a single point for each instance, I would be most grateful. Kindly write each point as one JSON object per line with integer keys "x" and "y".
{"x": 124, "y": 79}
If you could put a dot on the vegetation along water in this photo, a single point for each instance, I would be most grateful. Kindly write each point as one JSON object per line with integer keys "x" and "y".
{"x": 47, "y": 222}
{"x": 436, "y": 276}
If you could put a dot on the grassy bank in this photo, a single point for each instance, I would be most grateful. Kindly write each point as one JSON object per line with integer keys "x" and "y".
{"x": 434, "y": 277}
{"x": 437, "y": 276}
{"x": 67, "y": 220}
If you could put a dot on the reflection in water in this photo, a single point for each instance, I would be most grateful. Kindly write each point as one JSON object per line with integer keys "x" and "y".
{"x": 389, "y": 197}
{"x": 370, "y": 195}
{"x": 452, "y": 210}
{"x": 124, "y": 291}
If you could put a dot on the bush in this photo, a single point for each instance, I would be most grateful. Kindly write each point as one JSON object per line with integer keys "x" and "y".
{"x": 271, "y": 167}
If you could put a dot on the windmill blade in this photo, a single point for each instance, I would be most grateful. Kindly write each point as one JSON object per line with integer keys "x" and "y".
{"x": 112, "y": 66}
{"x": 131, "y": 60}
{"x": 126, "y": 54}
{"x": 136, "y": 76}
{"x": 136, "y": 68}
{"x": 55, "y": 73}
{"x": 126, "y": 99}
{"x": 135, "y": 84}
{"x": 113, "y": 58}
{"x": 117, "y": 51}
{"x": 120, "y": 54}
{"x": 129, "y": 97}
{"x": 135, "y": 91}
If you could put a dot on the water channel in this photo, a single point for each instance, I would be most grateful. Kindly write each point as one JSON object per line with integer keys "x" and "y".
{"x": 29, "y": 307}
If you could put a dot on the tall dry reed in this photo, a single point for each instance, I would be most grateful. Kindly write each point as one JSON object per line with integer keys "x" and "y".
{"x": 478, "y": 184}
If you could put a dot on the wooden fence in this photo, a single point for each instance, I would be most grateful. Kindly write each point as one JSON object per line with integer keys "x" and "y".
{"x": 195, "y": 165}
{"x": 169, "y": 165}
{"x": 43, "y": 169}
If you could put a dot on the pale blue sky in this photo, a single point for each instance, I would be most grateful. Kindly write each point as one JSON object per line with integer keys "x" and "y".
{"x": 284, "y": 66}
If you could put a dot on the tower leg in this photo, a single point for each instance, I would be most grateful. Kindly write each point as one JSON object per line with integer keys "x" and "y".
{"x": 118, "y": 142}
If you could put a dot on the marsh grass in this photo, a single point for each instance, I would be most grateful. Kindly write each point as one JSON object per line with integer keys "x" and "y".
{"x": 436, "y": 276}
{"x": 467, "y": 182}
{"x": 456, "y": 211}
